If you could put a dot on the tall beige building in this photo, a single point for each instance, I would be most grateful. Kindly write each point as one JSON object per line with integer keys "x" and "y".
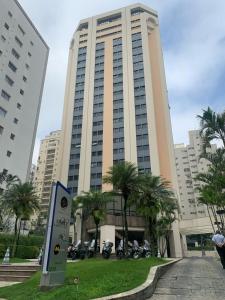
{"x": 116, "y": 108}
{"x": 46, "y": 171}
{"x": 188, "y": 165}
{"x": 23, "y": 62}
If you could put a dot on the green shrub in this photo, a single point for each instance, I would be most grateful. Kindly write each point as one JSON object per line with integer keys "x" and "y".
{"x": 27, "y": 251}
{"x": 8, "y": 239}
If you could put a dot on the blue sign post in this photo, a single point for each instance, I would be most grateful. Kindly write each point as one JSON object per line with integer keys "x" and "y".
{"x": 57, "y": 237}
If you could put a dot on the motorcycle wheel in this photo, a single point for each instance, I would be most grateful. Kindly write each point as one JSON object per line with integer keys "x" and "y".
{"x": 105, "y": 255}
{"x": 148, "y": 254}
{"x": 136, "y": 255}
{"x": 120, "y": 254}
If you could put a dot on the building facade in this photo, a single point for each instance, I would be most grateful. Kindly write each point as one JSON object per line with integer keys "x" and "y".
{"x": 116, "y": 107}
{"x": 23, "y": 61}
{"x": 46, "y": 171}
{"x": 188, "y": 165}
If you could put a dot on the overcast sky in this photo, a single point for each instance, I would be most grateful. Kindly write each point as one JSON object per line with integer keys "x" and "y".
{"x": 193, "y": 42}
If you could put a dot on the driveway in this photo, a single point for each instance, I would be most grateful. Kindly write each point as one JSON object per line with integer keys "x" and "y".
{"x": 192, "y": 279}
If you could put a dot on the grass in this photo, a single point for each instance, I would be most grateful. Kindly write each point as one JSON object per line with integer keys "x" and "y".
{"x": 98, "y": 278}
{"x": 16, "y": 260}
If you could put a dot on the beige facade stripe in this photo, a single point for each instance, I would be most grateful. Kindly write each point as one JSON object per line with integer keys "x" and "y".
{"x": 107, "y": 156}
{"x": 162, "y": 138}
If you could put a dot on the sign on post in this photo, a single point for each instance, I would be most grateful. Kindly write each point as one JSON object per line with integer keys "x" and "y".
{"x": 57, "y": 236}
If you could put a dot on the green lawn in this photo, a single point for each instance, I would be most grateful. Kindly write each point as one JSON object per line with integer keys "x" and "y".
{"x": 98, "y": 277}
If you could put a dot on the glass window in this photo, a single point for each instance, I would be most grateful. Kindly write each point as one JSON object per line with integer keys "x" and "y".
{"x": 5, "y": 95}
{"x": 9, "y": 80}
{"x": 12, "y": 66}
{"x": 3, "y": 112}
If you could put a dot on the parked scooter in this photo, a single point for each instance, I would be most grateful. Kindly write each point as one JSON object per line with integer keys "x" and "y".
{"x": 143, "y": 251}
{"x": 119, "y": 250}
{"x": 77, "y": 251}
{"x": 107, "y": 249}
{"x": 91, "y": 249}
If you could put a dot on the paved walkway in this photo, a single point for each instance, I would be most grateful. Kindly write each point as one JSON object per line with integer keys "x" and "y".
{"x": 192, "y": 279}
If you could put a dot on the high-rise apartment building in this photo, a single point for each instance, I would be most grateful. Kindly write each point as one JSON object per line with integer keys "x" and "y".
{"x": 116, "y": 107}
{"x": 188, "y": 165}
{"x": 23, "y": 61}
{"x": 46, "y": 170}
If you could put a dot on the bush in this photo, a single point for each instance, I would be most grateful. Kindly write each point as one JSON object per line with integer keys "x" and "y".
{"x": 28, "y": 246}
{"x": 27, "y": 251}
{"x": 8, "y": 239}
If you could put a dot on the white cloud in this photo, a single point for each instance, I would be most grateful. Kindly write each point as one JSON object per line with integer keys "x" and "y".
{"x": 193, "y": 45}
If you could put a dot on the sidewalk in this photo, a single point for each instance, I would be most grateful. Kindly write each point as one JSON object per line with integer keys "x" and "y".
{"x": 192, "y": 279}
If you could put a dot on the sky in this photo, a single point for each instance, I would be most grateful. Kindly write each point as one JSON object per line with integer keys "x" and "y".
{"x": 193, "y": 44}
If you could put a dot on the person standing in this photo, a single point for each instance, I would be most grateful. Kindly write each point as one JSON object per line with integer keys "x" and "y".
{"x": 219, "y": 241}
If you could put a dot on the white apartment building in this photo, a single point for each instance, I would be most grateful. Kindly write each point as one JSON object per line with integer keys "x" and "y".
{"x": 23, "y": 61}
{"x": 47, "y": 169}
{"x": 188, "y": 165}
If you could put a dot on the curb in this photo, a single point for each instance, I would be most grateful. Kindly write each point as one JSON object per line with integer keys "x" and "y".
{"x": 147, "y": 288}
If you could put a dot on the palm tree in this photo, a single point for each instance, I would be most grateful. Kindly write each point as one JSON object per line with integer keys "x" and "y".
{"x": 94, "y": 202}
{"x": 125, "y": 179}
{"x": 154, "y": 193}
{"x": 213, "y": 185}
{"x": 21, "y": 199}
{"x": 212, "y": 127}
{"x": 8, "y": 178}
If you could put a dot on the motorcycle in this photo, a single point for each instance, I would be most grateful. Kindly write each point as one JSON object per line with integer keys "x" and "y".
{"x": 119, "y": 250}
{"x": 77, "y": 251}
{"x": 91, "y": 249}
{"x": 143, "y": 251}
{"x": 107, "y": 249}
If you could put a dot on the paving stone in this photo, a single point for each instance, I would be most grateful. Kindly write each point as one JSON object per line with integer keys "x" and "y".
{"x": 192, "y": 279}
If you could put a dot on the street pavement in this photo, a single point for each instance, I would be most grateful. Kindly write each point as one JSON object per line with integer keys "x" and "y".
{"x": 192, "y": 279}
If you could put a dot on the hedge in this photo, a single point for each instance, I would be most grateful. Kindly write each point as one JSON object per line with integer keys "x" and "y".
{"x": 30, "y": 240}
{"x": 28, "y": 246}
{"x": 21, "y": 251}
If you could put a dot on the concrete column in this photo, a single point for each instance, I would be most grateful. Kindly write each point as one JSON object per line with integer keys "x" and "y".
{"x": 175, "y": 241}
{"x": 107, "y": 232}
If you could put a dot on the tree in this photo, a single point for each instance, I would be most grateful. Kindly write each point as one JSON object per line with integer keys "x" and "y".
{"x": 6, "y": 180}
{"x": 94, "y": 202}
{"x": 125, "y": 179}
{"x": 212, "y": 127}
{"x": 212, "y": 189}
{"x": 21, "y": 199}
{"x": 167, "y": 216}
{"x": 155, "y": 198}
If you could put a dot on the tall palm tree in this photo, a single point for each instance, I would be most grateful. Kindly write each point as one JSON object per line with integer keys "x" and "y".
{"x": 212, "y": 127}
{"x": 153, "y": 193}
{"x": 22, "y": 200}
{"x": 125, "y": 179}
{"x": 94, "y": 202}
{"x": 212, "y": 190}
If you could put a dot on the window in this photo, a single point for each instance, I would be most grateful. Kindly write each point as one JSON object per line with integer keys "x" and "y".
{"x": 29, "y": 54}
{"x": 5, "y": 95}
{"x": 1, "y": 130}
{"x": 15, "y": 121}
{"x": 3, "y": 112}
{"x": 27, "y": 66}
{"x": 9, "y": 80}
{"x": 3, "y": 38}
{"x": 12, "y": 136}
{"x": 0, "y": 52}
{"x": 6, "y": 26}
{"x": 21, "y": 30}
{"x": 10, "y": 14}
{"x": 24, "y": 78}
{"x": 15, "y": 53}
{"x": 12, "y": 66}
{"x": 18, "y": 105}
{"x": 19, "y": 43}
{"x": 21, "y": 92}
{"x": 8, "y": 153}
{"x": 32, "y": 44}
